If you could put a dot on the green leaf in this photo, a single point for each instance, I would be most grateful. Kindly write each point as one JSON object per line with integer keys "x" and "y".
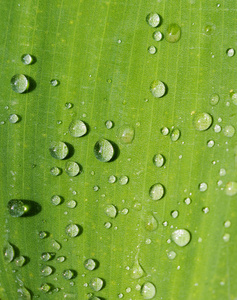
{"x": 90, "y": 62}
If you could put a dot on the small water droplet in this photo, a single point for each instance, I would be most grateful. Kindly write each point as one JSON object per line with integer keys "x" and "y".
{"x": 148, "y": 290}
{"x": 107, "y": 225}
{"x": 159, "y": 160}
{"x": 222, "y": 172}
{"x": 230, "y": 52}
{"x": 175, "y": 134}
{"x": 27, "y": 59}
{"x": 210, "y": 144}
{"x": 112, "y": 179}
{"x": 229, "y": 131}
{"x": 46, "y": 270}
{"x": 217, "y": 128}
{"x": 110, "y": 211}
{"x": 158, "y": 88}
{"x": 56, "y": 200}
{"x": 109, "y": 124}
{"x": 68, "y": 274}
{"x": 128, "y": 290}
{"x": 56, "y": 245}
{"x": 77, "y": 128}
{"x": 124, "y": 211}
{"x": 202, "y": 121}
{"x": 209, "y": 29}
{"x": 55, "y": 171}
{"x": 165, "y": 130}
{"x": 173, "y": 33}
{"x": 226, "y": 237}
{"x": 72, "y": 230}
{"x": 148, "y": 241}
{"x": 20, "y": 261}
{"x": 126, "y": 134}
{"x": 13, "y": 118}
{"x": 96, "y": 188}
{"x": 202, "y": 187}
{"x": 46, "y": 256}
{"x": 157, "y": 191}
{"x": 181, "y": 237}
{"x": 17, "y": 208}
{"x": 215, "y": 98}
{"x": 174, "y": 214}
{"x": 58, "y": 150}
{"x": 61, "y": 259}
{"x": 24, "y": 293}
{"x": 206, "y": 210}
{"x": 96, "y": 284}
{"x": 68, "y": 105}
{"x": 71, "y": 204}
{"x": 153, "y": 19}
{"x": 54, "y": 82}
{"x": 234, "y": 98}
{"x": 123, "y": 180}
{"x": 188, "y": 201}
{"x": 72, "y": 168}
{"x": 231, "y": 188}
{"x": 90, "y": 264}
{"x": 151, "y": 223}
{"x": 227, "y": 224}
{"x": 8, "y": 252}
{"x": 43, "y": 234}
{"x": 152, "y": 49}
{"x": 137, "y": 270}
{"x": 45, "y": 287}
{"x": 103, "y": 150}
{"x": 157, "y": 36}
{"x": 171, "y": 255}
{"x": 120, "y": 295}
{"x": 20, "y": 83}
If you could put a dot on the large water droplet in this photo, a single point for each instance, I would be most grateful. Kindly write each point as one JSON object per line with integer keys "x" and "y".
{"x": 13, "y": 118}
{"x": 175, "y": 134}
{"x": 148, "y": 290}
{"x": 71, "y": 204}
{"x": 61, "y": 259}
{"x": 46, "y": 256}
{"x": 158, "y": 160}
{"x": 230, "y": 52}
{"x": 19, "y": 83}
{"x": 181, "y": 237}
{"x": 55, "y": 171}
{"x": 173, "y": 33}
{"x": 152, "y": 49}
{"x": 103, "y": 150}
{"x": 46, "y": 270}
{"x": 20, "y": 260}
{"x": 58, "y": 150}
{"x": 77, "y": 128}
{"x": 96, "y": 284}
{"x": 27, "y": 59}
{"x": 8, "y": 252}
{"x": 157, "y": 36}
{"x": 72, "y": 168}
{"x": 153, "y": 19}
{"x": 109, "y": 124}
{"x": 24, "y": 293}
{"x": 202, "y": 187}
{"x": 202, "y": 121}
{"x": 111, "y": 211}
{"x": 56, "y": 200}
{"x": 112, "y": 179}
{"x": 72, "y": 230}
{"x": 126, "y": 134}
{"x": 231, "y": 188}
{"x": 229, "y": 131}
{"x": 68, "y": 274}
{"x": 54, "y": 82}
{"x": 56, "y": 245}
{"x": 90, "y": 264}
{"x": 151, "y": 223}
{"x": 157, "y": 88}
{"x": 157, "y": 191}
{"x": 137, "y": 270}
{"x": 16, "y": 208}
{"x": 123, "y": 180}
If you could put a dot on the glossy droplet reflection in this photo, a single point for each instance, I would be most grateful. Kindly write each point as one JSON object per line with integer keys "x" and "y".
{"x": 229, "y": 131}
{"x": 153, "y": 19}
{"x": 156, "y": 191}
{"x": 231, "y": 188}
{"x": 110, "y": 211}
{"x": 8, "y": 252}
{"x": 68, "y": 274}
{"x": 202, "y": 121}
{"x": 126, "y": 134}
{"x": 181, "y": 237}
{"x": 158, "y": 160}
{"x": 77, "y": 128}
{"x": 90, "y": 264}
{"x": 17, "y": 208}
{"x": 137, "y": 270}
{"x": 27, "y": 59}
{"x": 72, "y": 230}
{"x": 103, "y": 150}
{"x": 72, "y": 168}
{"x": 96, "y": 284}
{"x": 19, "y": 83}
{"x": 14, "y": 118}
{"x": 150, "y": 222}
{"x": 158, "y": 88}
{"x": 148, "y": 290}
{"x": 173, "y": 33}
{"x": 58, "y": 150}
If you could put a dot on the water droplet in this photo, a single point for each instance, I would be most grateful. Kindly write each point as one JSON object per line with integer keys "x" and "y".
{"x": 71, "y": 204}
{"x": 110, "y": 211}
{"x": 112, "y": 179}
{"x": 96, "y": 188}
{"x": 158, "y": 160}
{"x": 24, "y": 293}
{"x": 56, "y": 200}
{"x": 77, "y": 128}
{"x": 226, "y": 237}
{"x": 124, "y": 211}
{"x": 72, "y": 230}
{"x": 208, "y": 29}
{"x": 165, "y": 130}
{"x": 151, "y": 223}
{"x": 187, "y": 201}
{"x": 17, "y": 208}
{"x": 222, "y": 172}
{"x": 96, "y": 284}
{"x": 107, "y": 225}
{"x": 56, "y": 245}
{"x": 126, "y": 134}
{"x": 227, "y": 224}
{"x": 173, "y": 33}
{"x": 27, "y": 59}
{"x": 174, "y": 214}
{"x": 8, "y": 252}
{"x": 68, "y": 105}
{"x": 181, "y": 237}
{"x": 175, "y": 134}
{"x": 157, "y": 88}
{"x": 153, "y": 19}
{"x": 20, "y": 260}
{"x": 120, "y": 295}
{"x": 46, "y": 270}
{"x": 157, "y": 191}
{"x": 43, "y": 234}
{"x": 68, "y": 274}
{"x": 45, "y": 287}
{"x": 109, "y": 124}
{"x": 137, "y": 270}
{"x": 217, "y": 128}
{"x": 128, "y": 290}
{"x": 210, "y": 144}
{"x": 234, "y": 98}
{"x": 46, "y": 256}
{"x": 19, "y": 83}
{"x": 215, "y": 98}
{"x": 171, "y": 255}
{"x": 148, "y": 290}
{"x": 231, "y": 188}
{"x": 61, "y": 259}
{"x": 54, "y": 82}
{"x": 202, "y": 187}
{"x": 103, "y": 150}
{"x": 90, "y": 264}
{"x": 123, "y": 180}
{"x": 152, "y": 49}
{"x": 230, "y": 52}
{"x": 13, "y": 118}
{"x": 157, "y": 36}
{"x": 148, "y": 241}
{"x": 55, "y": 171}
{"x": 229, "y": 131}
{"x": 72, "y": 168}
{"x": 58, "y": 150}
{"x": 206, "y": 210}
{"x": 202, "y": 121}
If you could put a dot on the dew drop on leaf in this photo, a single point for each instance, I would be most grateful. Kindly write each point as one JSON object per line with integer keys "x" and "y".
{"x": 77, "y": 128}
{"x": 181, "y": 237}
{"x": 158, "y": 88}
{"x": 229, "y": 131}
{"x": 231, "y": 188}
{"x": 68, "y": 274}
{"x": 126, "y": 134}
{"x": 202, "y": 121}
{"x": 148, "y": 290}
{"x": 20, "y": 261}
{"x": 72, "y": 168}
{"x": 19, "y": 83}
{"x": 16, "y": 208}
{"x": 8, "y": 252}
{"x": 55, "y": 171}
{"x": 150, "y": 222}
{"x": 157, "y": 36}
{"x": 152, "y": 49}
{"x": 123, "y": 180}
{"x": 103, "y": 150}
{"x": 230, "y": 52}
{"x": 45, "y": 287}
{"x": 56, "y": 245}
{"x": 14, "y": 118}
{"x": 90, "y": 264}
{"x": 61, "y": 259}
{"x": 58, "y": 150}
{"x": 153, "y": 19}
{"x": 46, "y": 270}
{"x": 215, "y": 98}
{"x": 24, "y": 293}
{"x": 173, "y": 33}
{"x": 202, "y": 187}
{"x": 175, "y": 134}
{"x": 109, "y": 124}
{"x": 110, "y": 211}
{"x": 137, "y": 270}
{"x": 56, "y": 200}
{"x": 54, "y": 82}
{"x": 157, "y": 191}
{"x": 171, "y": 255}
{"x": 96, "y": 284}
{"x": 27, "y": 59}
{"x": 158, "y": 160}
{"x": 112, "y": 179}
{"x": 71, "y": 204}
{"x": 72, "y": 230}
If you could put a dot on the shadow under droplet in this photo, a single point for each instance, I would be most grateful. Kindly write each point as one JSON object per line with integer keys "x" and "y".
{"x": 71, "y": 150}
{"x": 34, "y": 208}
{"x": 116, "y": 151}
{"x": 32, "y": 84}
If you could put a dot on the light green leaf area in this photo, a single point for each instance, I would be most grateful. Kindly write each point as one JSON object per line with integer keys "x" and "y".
{"x": 98, "y": 52}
